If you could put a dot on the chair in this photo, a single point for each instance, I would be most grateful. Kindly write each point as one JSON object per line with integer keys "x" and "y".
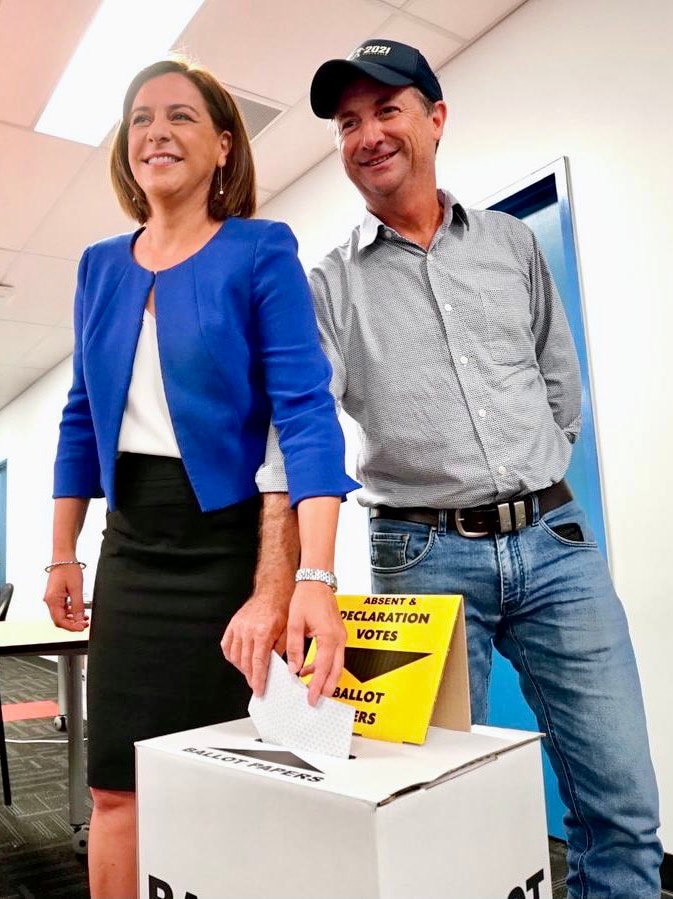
{"x": 6, "y": 592}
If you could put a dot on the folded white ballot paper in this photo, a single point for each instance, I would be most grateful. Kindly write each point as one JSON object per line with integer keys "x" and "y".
{"x": 283, "y": 716}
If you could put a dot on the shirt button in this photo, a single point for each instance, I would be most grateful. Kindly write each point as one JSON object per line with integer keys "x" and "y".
{"x": 502, "y": 469}
{"x": 429, "y": 257}
{"x": 463, "y": 359}
{"x": 448, "y": 307}
{"x": 482, "y": 413}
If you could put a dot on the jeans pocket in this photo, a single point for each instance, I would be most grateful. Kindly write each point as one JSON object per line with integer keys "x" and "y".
{"x": 387, "y": 550}
{"x": 398, "y": 546}
{"x": 560, "y": 524}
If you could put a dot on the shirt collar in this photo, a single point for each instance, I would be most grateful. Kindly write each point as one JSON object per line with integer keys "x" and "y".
{"x": 370, "y": 225}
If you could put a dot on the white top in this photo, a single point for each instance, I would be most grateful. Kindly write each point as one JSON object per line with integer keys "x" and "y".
{"x": 146, "y": 425}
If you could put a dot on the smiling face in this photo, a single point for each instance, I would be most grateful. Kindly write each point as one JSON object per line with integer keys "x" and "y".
{"x": 387, "y": 140}
{"x": 173, "y": 147}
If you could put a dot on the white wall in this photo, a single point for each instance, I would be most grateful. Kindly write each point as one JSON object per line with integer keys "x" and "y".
{"x": 589, "y": 79}
{"x": 28, "y": 435}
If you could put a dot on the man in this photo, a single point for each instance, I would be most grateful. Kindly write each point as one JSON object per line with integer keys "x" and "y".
{"x": 451, "y": 350}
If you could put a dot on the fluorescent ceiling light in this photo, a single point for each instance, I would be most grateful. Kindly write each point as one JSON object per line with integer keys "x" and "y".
{"x": 124, "y": 36}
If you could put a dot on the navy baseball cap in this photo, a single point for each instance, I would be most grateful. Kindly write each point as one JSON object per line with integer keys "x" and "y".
{"x": 386, "y": 61}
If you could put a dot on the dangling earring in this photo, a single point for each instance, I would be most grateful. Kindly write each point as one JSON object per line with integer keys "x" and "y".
{"x": 221, "y": 190}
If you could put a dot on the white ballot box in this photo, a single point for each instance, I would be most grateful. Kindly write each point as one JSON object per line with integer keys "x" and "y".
{"x": 224, "y": 816}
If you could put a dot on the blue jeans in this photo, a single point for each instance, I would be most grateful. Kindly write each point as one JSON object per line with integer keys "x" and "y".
{"x": 548, "y": 605}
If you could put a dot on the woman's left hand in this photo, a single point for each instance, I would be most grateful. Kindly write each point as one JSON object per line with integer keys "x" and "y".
{"x": 314, "y": 613}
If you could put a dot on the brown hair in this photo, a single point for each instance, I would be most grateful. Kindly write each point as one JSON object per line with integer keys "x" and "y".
{"x": 427, "y": 104}
{"x": 238, "y": 177}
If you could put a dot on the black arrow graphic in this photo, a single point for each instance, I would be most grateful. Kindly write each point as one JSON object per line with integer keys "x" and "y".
{"x": 366, "y": 664}
{"x": 277, "y": 757}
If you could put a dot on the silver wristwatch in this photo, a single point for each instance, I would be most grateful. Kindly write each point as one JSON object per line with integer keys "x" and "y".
{"x": 317, "y": 574}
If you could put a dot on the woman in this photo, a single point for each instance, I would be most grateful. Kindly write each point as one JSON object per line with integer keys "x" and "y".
{"x": 188, "y": 335}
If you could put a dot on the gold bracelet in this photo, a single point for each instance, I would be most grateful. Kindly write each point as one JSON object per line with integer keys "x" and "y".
{"x": 53, "y": 565}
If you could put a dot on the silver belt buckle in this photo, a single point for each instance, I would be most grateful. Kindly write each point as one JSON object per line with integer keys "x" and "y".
{"x": 505, "y": 516}
{"x": 461, "y": 530}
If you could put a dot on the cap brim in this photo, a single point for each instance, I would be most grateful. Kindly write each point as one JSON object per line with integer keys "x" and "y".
{"x": 334, "y": 76}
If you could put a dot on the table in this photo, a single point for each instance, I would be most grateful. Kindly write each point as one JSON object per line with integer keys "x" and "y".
{"x": 41, "y": 637}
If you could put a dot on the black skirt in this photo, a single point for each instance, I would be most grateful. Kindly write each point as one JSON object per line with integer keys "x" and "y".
{"x": 169, "y": 579}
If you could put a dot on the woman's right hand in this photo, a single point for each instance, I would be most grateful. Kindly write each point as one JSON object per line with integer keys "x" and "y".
{"x": 314, "y": 613}
{"x": 64, "y": 598}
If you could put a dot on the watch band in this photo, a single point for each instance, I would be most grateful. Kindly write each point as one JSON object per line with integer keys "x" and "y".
{"x": 317, "y": 574}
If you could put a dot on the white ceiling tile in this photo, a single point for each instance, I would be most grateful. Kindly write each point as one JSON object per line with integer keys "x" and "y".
{"x": 36, "y": 170}
{"x": 7, "y": 394}
{"x": 465, "y": 19}
{"x": 294, "y": 143}
{"x": 36, "y": 42}
{"x": 43, "y": 289}
{"x": 437, "y": 47}
{"x": 17, "y": 339}
{"x": 263, "y": 196}
{"x": 86, "y": 212}
{"x": 52, "y": 349}
{"x": 6, "y": 259}
{"x": 274, "y": 51}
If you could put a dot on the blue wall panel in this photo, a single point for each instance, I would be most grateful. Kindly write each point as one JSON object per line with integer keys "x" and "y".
{"x": 543, "y": 202}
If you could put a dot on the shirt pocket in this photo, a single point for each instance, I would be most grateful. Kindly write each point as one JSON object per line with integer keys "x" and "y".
{"x": 509, "y": 337}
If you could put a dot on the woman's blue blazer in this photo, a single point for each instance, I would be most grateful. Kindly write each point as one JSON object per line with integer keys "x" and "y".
{"x": 238, "y": 345}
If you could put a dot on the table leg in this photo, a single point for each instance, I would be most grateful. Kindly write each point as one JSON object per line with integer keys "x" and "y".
{"x": 76, "y": 780}
{"x": 61, "y": 719}
{"x": 4, "y": 764}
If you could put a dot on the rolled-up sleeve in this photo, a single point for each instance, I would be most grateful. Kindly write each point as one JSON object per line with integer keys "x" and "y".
{"x": 297, "y": 372}
{"x": 270, "y": 476}
{"x": 77, "y": 469}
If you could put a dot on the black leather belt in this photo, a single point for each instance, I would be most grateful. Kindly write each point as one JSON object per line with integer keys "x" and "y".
{"x": 483, "y": 521}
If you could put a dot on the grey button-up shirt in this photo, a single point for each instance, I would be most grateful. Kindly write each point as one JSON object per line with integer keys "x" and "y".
{"x": 457, "y": 362}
